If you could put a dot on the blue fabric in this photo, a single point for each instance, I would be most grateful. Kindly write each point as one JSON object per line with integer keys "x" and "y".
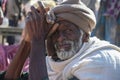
{"x": 107, "y": 27}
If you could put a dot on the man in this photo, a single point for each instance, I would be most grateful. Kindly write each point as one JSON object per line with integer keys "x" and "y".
{"x": 13, "y": 15}
{"x": 71, "y": 53}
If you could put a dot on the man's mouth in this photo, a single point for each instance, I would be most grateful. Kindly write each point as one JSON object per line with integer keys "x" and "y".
{"x": 65, "y": 47}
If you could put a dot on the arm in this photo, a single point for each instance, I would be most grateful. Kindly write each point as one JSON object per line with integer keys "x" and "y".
{"x": 36, "y": 23}
{"x": 15, "y": 67}
{"x": 37, "y": 66}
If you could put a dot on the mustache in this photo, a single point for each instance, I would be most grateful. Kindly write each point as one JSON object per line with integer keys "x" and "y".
{"x": 66, "y": 42}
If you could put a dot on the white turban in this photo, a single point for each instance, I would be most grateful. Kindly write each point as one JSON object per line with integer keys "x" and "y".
{"x": 75, "y": 12}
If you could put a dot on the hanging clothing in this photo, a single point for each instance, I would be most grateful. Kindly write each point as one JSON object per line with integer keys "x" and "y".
{"x": 108, "y": 21}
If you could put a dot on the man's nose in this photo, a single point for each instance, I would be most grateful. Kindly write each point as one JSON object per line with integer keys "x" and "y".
{"x": 61, "y": 37}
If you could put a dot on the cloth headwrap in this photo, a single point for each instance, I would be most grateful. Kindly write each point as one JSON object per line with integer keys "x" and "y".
{"x": 75, "y": 12}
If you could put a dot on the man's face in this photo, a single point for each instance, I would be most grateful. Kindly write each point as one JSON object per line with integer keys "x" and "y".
{"x": 67, "y": 40}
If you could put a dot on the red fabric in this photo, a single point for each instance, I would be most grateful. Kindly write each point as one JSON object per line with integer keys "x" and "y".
{"x": 3, "y": 60}
{"x": 6, "y": 55}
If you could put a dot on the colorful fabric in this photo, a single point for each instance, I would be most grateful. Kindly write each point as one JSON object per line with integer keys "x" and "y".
{"x": 7, "y": 53}
{"x": 108, "y": 22}
{"x": 113, "y": 8}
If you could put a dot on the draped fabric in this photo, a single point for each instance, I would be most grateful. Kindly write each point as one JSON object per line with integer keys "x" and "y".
{"x": 6, "y": 55}
{"x": 108, "y": 21}
{"x": 94, "y": 61}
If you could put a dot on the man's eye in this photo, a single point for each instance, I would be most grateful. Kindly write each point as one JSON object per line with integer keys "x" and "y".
{"x": 55, "y": 34}
{"x": 68, "y": 31}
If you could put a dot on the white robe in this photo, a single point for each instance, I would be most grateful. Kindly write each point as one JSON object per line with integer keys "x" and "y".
{"x": 96, "y": 60}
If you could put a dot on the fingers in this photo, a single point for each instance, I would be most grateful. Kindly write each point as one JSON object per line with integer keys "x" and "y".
{"x": 35, "y": 22}
{"x": 34, "y": 16}
{"x": 41, "y": 8}
{"x": 32, "y": 22}
{"x": 37, "y": 19}
{"x": 42, "y": 12}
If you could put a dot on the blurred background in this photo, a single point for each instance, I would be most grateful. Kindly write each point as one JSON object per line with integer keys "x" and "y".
{"x": 13, "y": 13}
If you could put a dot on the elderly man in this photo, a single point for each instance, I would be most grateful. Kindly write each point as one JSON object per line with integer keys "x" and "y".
{"x": 71, "y": 53}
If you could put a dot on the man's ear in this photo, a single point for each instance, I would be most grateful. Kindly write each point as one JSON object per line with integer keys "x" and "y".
{"x": 85, "y": 37}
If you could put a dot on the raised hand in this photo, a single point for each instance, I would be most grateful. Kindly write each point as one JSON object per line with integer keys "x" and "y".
{"x": 36, "y": 23}
{"x": 36, "y": 28}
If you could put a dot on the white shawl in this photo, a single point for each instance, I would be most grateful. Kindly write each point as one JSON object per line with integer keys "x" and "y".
{"x": 90, "y": 63}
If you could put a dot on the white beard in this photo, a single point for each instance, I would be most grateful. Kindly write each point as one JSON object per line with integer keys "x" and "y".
{"x": 75, "y": 47}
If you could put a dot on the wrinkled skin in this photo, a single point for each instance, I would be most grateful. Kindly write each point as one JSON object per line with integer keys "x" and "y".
{"x": 64, "y": 35}
{"x": 65, "y": 32}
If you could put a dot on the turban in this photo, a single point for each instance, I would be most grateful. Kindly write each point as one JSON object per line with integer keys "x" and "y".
{"x": 75, "y": 12}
